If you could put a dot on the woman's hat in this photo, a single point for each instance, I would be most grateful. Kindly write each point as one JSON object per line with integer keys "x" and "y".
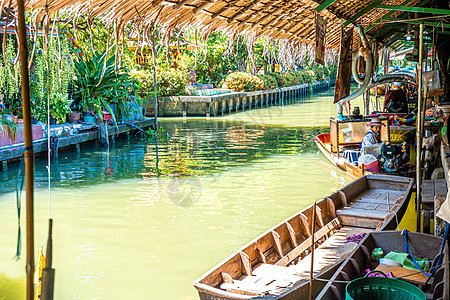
{"x": 375, "y": 122}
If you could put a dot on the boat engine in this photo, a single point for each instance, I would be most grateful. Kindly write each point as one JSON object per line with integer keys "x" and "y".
{"x": 392, "y": 157}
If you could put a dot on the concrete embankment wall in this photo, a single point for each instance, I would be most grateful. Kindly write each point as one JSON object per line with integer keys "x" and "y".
{"x": 183, "y": 106}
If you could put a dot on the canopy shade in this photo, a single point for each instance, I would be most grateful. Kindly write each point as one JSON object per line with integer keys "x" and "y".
{"x": 277, "y": 19}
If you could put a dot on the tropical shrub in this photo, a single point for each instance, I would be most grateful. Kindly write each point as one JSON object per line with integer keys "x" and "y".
{"x": 98, "y": 84}
{"x": 244, "y": 82}
{"x": 308, "y": 76}
{"x": 270, "y": 82}
{"x": 169, "y": 82}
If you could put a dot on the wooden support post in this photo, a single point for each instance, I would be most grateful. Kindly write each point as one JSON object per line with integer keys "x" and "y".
{"x": 215, "y": 108}
{"x": 208, "y": 109}
{"x": 184, "y": 113}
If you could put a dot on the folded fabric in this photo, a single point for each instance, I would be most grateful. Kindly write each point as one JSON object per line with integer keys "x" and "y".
{"x": 356, "y": 238}
{"x": 406, "y": 260}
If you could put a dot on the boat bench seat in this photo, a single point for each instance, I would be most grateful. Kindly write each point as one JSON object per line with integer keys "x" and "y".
{"x": 361, "y": 217}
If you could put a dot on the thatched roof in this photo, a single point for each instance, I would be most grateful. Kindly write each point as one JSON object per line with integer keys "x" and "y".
{"x": 276, "y": 19}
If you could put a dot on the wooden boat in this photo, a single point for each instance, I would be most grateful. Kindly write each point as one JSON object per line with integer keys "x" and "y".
{"x": 422, "y": 245}
{"x": 323, "y": 142}
{"x": 276, "y": 265}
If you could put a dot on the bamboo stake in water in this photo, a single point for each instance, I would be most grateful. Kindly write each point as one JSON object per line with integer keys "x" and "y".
{"x": 29, "y": 153}
{"x": 313, "y": 228}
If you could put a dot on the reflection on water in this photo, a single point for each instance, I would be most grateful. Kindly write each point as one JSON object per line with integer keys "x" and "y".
{"x": 130, "y": 223}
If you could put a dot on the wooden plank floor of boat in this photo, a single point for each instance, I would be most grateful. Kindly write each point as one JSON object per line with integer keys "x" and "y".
{"x": 270, "y": 279}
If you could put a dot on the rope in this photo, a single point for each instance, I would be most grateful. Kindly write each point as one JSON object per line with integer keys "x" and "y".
{"x": 405, "y": 233}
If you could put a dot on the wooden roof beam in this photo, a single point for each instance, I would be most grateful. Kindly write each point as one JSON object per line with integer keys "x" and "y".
{"x": 379, "y": 33}
{"x": 362, "y": 12}
{"x": 426, "y": 23}
{"x": 383, "y": 18}
{"x": 427, "y": 10}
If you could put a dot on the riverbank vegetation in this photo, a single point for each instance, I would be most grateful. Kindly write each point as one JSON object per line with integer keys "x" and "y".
{"x": 84, "y": 65}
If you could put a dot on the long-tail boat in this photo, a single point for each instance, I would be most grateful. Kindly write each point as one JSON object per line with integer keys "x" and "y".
{"x": 344, "y": 138}
{"x": 276, "y": 265}
{"x": 360, "y": 260}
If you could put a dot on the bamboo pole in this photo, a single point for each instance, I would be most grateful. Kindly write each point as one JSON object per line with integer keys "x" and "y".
{"x": 48, "y": 273}
{"x": 419, "y": 130}
{"x": 313, "y": 228}
{"x": 154, "y": 75}
{"x": 29, "y": 153}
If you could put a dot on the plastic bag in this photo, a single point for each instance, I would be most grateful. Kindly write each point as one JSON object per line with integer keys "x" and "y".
{"x": 366, "y": 159}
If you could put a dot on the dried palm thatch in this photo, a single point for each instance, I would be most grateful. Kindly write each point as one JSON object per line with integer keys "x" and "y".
{"x": 290, "y": 21}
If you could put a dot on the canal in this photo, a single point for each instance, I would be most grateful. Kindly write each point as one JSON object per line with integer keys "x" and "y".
{"x": 140, "y": 221}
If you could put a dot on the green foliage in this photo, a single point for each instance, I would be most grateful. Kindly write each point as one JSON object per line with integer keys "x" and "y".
{"x": 8, "y": 127}
{"x": 214, "y": 62}
{"x": 169, "y": 82}
{"x": 59, "y": 107}
{"x": 244, "y": 82}
{"x": 158, "y": 133}
{"x": 270, "y": 81}
{"x": 50, "y": 77}
{"x": 99, "y": 83}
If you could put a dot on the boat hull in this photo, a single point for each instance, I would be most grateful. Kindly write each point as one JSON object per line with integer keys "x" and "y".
{"x": 322, "y": 141}
{"x": 285, "y": 247}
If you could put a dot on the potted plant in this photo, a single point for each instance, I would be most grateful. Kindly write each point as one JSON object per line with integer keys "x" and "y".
{"x": 8, "y": 127}
{"x": 73, "y": 116}
{"x": 100, "y": 85}
{"x": 59, "y": 107}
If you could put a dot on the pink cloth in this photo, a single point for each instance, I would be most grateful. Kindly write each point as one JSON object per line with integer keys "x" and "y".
{"x": 388, "y": 275}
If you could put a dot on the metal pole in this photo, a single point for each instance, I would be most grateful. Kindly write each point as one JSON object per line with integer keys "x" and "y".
{"x": 419, "y": 130}
{"x": 313, "y": 225}
{"x": 29, "y": 153}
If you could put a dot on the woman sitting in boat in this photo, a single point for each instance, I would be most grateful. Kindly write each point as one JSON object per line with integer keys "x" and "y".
{"x": 372, "y": 137}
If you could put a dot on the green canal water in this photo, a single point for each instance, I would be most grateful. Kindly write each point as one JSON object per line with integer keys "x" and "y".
{"x": 140, "y": 222}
